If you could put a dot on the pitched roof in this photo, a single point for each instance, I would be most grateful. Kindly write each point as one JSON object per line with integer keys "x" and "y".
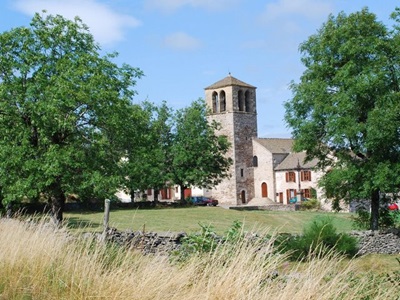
{"x": 276, "y": 145}
{"x": 291, "y": 161}
{"x": 229, "y": 81}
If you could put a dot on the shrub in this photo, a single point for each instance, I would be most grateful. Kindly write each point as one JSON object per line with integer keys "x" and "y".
{"x": 311, "y": 204}
{"x": 320, "y": 238}
{"x": 207, "y": 240}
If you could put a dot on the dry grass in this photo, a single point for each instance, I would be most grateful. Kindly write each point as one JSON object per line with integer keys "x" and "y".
{"x": 38, "y": 262}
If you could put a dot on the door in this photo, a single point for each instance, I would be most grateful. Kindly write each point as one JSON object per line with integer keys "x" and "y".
{"x": 264, "y": 190}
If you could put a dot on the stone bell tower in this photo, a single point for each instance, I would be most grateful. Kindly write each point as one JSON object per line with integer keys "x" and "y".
{"x": 233, "y": 104}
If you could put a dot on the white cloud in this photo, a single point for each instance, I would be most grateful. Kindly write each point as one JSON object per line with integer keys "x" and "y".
{"x": 172, "y": 5}
{"x": 181, "y": 41}
{"x": 106, "y": 25}
{"x": 310, "y": 9}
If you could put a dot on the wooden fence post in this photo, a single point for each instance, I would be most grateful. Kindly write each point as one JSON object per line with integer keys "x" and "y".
{"x": 106, "y": 213}
{"x": 106, "y": 218}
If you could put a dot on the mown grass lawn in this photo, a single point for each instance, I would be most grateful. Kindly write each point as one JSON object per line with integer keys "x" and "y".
{"x": 188, "y": 219}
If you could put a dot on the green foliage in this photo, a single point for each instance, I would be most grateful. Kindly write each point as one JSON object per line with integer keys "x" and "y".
{"x": 234, "y": 233}
{"x": 147, "y": 163}
{"x": 348, "y": 90}
{"x": 387, "y": 219}
{"x": 65, "y": 112}
{"x": 197, "y": 243}
{"x": 207, "y": 241}
{"x": 310, "y": 204}
{"x": 197, "y": 152}
{"x": 320, "y": 238}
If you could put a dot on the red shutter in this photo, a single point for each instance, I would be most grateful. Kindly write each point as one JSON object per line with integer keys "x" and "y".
{"x": 287, "y": 176}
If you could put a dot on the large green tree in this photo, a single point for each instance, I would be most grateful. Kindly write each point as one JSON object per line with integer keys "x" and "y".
{"x": 64, "y": 110}
{"x": 147, "y": 164}
{"x": 198, "y": 154}
{"x": 345, "y": 110}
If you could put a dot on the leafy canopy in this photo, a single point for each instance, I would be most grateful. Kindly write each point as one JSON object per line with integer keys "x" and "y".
{"x": 198, "y": 154}
{"x": 64, "y": 110}
{"x": 345, "y": 110}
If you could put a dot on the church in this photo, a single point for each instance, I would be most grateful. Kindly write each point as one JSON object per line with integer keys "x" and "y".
{"x": 264, "y": 170}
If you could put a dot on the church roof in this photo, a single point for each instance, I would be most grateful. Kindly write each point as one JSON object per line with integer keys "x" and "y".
{"x": 291, "y": 161}
{"x": 275, "y": 145}
{"x": 229, "y": 81}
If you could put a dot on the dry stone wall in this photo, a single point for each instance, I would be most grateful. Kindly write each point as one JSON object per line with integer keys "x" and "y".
{"x": 384, "y": 242}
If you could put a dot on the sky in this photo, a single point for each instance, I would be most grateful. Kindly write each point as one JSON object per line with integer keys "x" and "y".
{"x": 183, "y": 46}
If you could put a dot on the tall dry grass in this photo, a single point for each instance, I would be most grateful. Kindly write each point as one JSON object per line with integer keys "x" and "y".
{"x": 39, "y": 262}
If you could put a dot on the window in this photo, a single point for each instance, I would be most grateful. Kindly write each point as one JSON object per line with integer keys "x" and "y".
{"x": 241, "y": 172}
{"x": 247, "y": 101}
{"x": 307, "y": 193}
{"x": 149, "y": 192}
{"x": 255, "y": 161}
{"x": 305, "y": 175}
{"x": 241, "y": 101}
{"x": 215, "y": 102}
{"x": 290, "y": 177}
{"x": 223, "y": 101}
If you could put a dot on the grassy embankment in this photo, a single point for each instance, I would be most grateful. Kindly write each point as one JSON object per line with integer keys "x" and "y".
{"x": 38, "y": 262}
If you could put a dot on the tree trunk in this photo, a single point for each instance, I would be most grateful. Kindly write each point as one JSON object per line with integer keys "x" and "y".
{"x": 57, "y": 199}
{"x": 375, "y": 210}
{"x": 156, "y": 193}
{"x": 183, "y": 193}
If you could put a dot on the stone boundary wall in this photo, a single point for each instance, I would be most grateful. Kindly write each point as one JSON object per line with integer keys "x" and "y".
{"x": 383, "y": 242}
{"x": 270, "y": 207}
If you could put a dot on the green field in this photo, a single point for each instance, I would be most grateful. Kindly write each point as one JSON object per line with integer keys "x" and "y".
{"x": 188, "y": 219}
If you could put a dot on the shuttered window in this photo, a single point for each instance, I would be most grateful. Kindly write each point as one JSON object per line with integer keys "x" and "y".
{"x": 290, "y": 177}
{"x": 305, "y": 175}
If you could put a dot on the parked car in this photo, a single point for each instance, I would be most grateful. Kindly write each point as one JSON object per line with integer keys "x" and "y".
{"x": 211, "y": 202}
{"x": 203, "y": 201}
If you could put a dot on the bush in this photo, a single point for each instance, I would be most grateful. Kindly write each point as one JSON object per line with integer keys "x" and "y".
{"x": 207, "y": 240}
{"x": 311, "y": 204}
{"x": 320, "y": 238}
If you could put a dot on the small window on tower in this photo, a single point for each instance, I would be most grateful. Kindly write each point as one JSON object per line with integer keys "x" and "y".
{"x": 255, "y": 161}
{"x": 241, "y": 172}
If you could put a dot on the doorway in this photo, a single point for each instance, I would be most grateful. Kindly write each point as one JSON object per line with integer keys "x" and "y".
{"x": 264, "y": 190}
{"x": 243, "y": 197}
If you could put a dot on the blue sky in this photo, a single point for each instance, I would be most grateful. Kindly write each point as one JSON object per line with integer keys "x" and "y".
{"x": 183, "y": 46}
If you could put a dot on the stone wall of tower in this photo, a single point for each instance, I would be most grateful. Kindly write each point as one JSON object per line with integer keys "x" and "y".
{"x": 245, "y": 126}
{"x": 240, "y": 127}
{"x": 225, "y": 192}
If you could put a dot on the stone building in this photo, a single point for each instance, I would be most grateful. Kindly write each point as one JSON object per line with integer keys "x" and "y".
{"x": 264, "y": 170}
